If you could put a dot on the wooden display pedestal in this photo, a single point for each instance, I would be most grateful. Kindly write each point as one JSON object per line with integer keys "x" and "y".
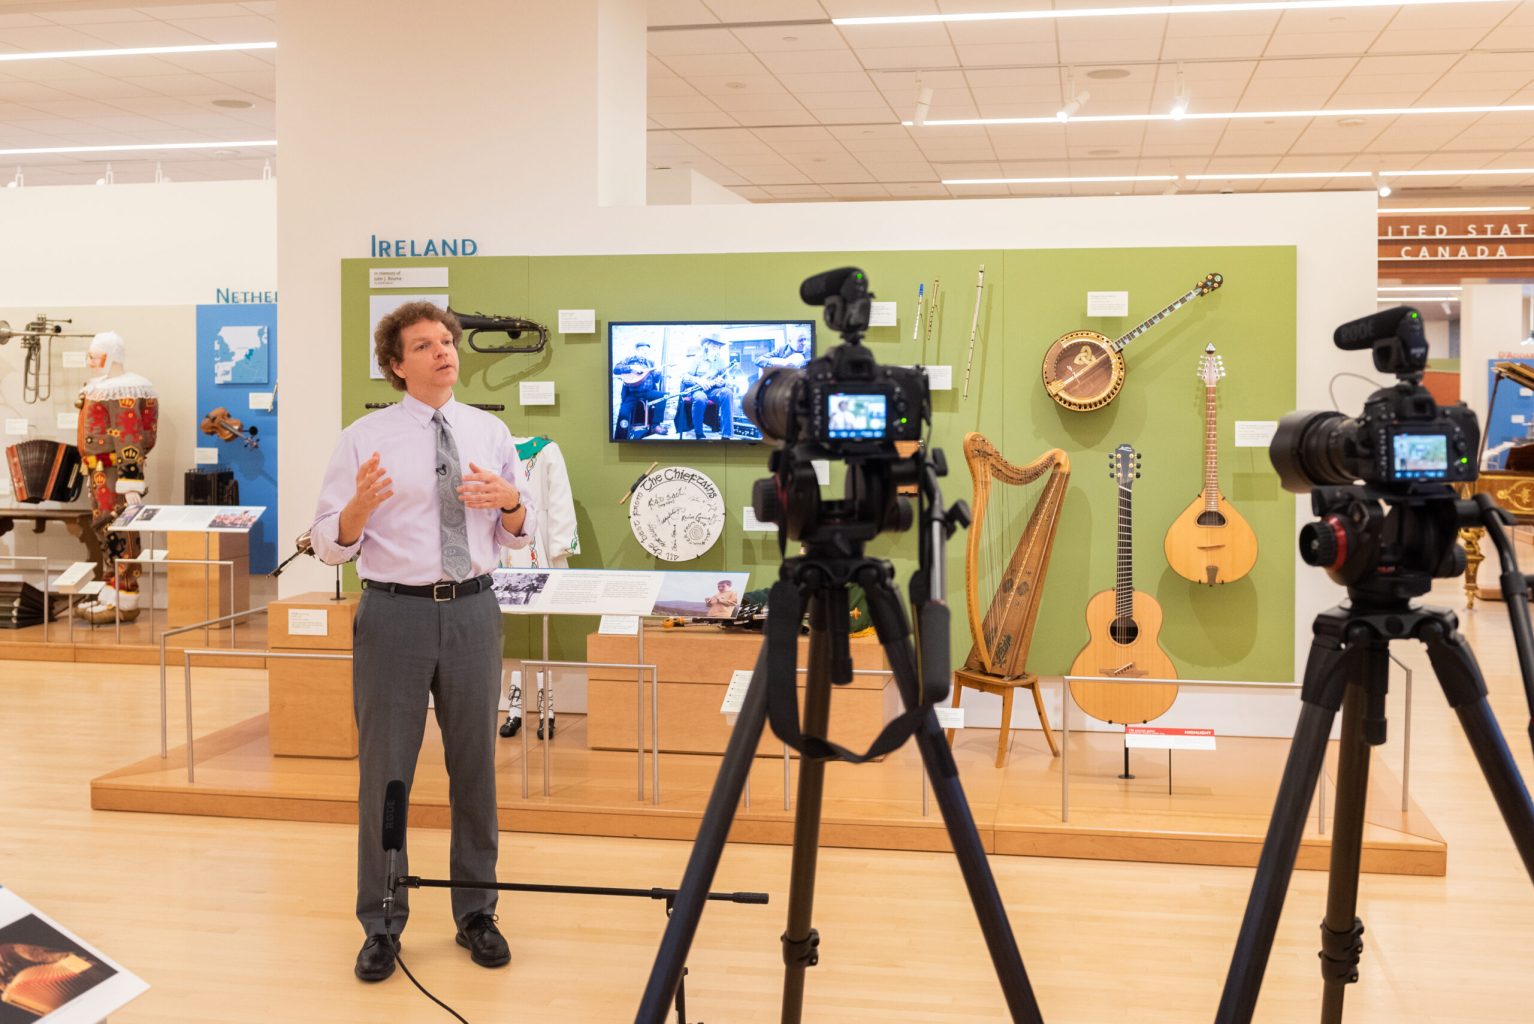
{"x": 311, "y": 700}
{"x": 201, "y": 592}
{"x": 694, "y": 664}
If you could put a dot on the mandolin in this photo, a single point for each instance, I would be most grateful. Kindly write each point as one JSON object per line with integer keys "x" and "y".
{"x": 1210, "y": 542}
{"x": 1083, "y": 370}
{"x": 1123, "y": 624}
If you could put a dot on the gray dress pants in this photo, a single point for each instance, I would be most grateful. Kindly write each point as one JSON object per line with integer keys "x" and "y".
{"x": 403, "y": 648}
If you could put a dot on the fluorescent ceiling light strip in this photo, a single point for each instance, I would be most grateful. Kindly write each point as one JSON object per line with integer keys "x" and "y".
{"x": 138, "y": 147}
{"x": 1229, "y": 115}
{"x": 1160, "y": 9}
{"x": 1474, "y": 170}
{"x": 1277, "y": 175}
{"x": 1059, "y": 181}
{"x": 1397, "y": 211}
{"x": 1422, "y": 288}
{"x": 137, "y": 51}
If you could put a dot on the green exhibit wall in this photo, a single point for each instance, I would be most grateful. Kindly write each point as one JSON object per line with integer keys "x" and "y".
{"x": 1242, "y": 630}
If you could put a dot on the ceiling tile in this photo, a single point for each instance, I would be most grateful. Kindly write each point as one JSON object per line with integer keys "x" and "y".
{"x": 1303, "y": 44}
{"x": 1509, "y": 37}
{"x": 884, "y": 37}
{"x": 991, "y": 33}
{"x": 1203, "y": 47}
{"x": 729, "y": 85}
{"x": 751, "y": 10}
{"x": 700, "y": 41}
{"x": 818, "y": 101}
{"x": 678, "y": 12}
{"x": 790, "y": 38}
{"x": 694, "y": 65}
{"x": 681, "y": 104}
{"x": 794, "y": 62}
{"x": 1106, "y": 51}
{"x": 1394, "y": 40}
{"x": 1234, "y": 23}
{"x": 719, "y": 120}
{"x": 842, "y": 81}
{"x": 979, "y": 55}
{"x": 909, "y": 57}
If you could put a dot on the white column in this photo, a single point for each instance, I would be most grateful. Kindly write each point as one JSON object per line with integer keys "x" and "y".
{"x": 1491, "y": 326}
{"x": 460, "y": 120}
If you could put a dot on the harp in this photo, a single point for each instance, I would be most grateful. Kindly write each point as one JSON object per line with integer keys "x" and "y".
{"x": 44, "y": 471}
{"x": 1003, "y": 578}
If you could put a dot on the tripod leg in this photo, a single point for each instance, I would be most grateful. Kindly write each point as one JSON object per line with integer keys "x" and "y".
{"x": 692, "y": 894}
{"x": 943, "y": 773}
{"x": 1459, "y": 675}
{"x": 1322, "y": 693}
{"x": 1341, "y": 930}
{"x": 800, "y": 941}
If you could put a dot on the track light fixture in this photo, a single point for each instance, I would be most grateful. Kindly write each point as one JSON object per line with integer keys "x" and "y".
{"x": 923, "y": 102}
{"x": 1179, "y": 97}
{"x": 17, "y": 181}
{"x": 107, "y": 178}
{"x": 1381, "y": 187}
{"x": 1075, "y": 100}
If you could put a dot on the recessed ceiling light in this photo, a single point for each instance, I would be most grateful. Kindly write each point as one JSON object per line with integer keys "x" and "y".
{"x": 1269, "y": 120}
{"x": 234, "y": 104}
{"x": 1108, "y": 74}
{"x": 790, "y": 39}
{"x": 1236, "y": 115}
{"x": 1102, "y": 152}
{"x": 1400, "y": 211}
{"x": 135, "y": 51}
{"x": 1351, "y": 122}
{"x": 735, "y": 85}
{"x": 217, "y": 147}
{"x": 1122, "y": 12}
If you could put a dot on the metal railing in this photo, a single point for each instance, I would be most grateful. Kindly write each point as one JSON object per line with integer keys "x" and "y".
{"x": 164, "y": 713}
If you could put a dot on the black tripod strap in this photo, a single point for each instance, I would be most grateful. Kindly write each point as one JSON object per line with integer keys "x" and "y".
{"x": 782, "y": 644}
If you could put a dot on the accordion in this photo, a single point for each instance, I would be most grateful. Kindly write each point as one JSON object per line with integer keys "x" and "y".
{"x": 210, "y": 487}
{"x": 44, "y": 471}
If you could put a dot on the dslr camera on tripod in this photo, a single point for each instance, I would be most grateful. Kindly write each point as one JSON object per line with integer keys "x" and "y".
{"x": 1404, "y": 450}
{"x": 844, "y": 406}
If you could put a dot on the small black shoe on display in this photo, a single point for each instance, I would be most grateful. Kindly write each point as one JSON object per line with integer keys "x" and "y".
{"x": 375, "y": 960}
{"x": 483, "y": 940}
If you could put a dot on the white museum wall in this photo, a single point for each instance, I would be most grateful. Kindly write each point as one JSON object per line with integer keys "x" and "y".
{"x": 135, "y": 259}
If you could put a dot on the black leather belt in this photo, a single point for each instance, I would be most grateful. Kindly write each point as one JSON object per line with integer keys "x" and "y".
{"x": 446, "y": 591}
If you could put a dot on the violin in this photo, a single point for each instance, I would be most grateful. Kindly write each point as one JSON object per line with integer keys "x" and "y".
{"x": 225, "y": 427}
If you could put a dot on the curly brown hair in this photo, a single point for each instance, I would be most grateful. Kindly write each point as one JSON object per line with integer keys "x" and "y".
{"x": 387, "y": 346}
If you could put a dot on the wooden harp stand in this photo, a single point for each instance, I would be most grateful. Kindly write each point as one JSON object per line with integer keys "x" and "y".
{"x": 1002, "y": 629}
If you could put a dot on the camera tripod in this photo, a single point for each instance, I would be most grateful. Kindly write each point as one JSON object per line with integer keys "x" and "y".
{"x": 1348, "y": 668}
{"x": 823, "y": 574}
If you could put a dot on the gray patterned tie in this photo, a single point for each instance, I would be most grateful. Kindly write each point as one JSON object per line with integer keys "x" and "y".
{"x": 455, "y": 537}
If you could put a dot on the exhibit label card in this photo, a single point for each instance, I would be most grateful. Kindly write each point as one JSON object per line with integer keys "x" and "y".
{"x": 1107, "y": 303}
{"x": 1255, "y": 433}
{"x": 950, "y": 718}
{"x": 577, "y": 321}
{"x": 735, "y": 693}
{"x": 16, "y": 427}
{"x": 70, "y": 578}
{"x": 205, "y": 456}
{"x": 940, "y": 378}
{"x": 308, "y": 621}
{"x": 619, "y": 625}
{"x": 73, "y": 360}
{"x": 1149, "y": 737}
{"x": 188, "y": 518}
{"x": 66, "y": 420}
{"x": 751, "y": 524}
{"x": 536, "y": 392}
{"x": 261, "y": 401}
{"x": 407, "y": 277}
{"x": 882, "y": 314}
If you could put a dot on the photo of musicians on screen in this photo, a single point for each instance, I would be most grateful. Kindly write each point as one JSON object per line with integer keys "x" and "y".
{"x": 685, "y": 381}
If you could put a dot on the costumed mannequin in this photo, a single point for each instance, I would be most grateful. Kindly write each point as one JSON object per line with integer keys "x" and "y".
{"x": 119, "y": 414}
{"x": 554, "y": 537}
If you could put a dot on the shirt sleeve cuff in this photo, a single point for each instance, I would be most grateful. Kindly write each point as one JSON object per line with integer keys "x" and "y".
{"x": 322, "y": 537}
{"x": 506, "y": 539}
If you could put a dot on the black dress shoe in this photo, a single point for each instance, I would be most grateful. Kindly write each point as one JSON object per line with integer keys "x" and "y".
{"x": 484, "y": 942}
{"x": 375, "y": 960}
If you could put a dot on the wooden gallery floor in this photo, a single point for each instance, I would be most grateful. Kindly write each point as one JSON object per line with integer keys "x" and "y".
{"x": 243, "y": 919}
{"x": 1216, "y": 813}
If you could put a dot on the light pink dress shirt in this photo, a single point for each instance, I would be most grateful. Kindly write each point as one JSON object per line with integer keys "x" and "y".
{"x": 401, "y": 542}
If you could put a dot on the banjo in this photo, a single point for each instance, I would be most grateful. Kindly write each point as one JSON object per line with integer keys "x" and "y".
{"x": 1083, "y": 370}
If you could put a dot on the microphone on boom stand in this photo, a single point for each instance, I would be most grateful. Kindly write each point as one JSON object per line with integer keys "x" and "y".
{"x": 394, "y": 813}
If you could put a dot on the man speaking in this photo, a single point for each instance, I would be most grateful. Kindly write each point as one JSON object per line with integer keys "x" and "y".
{"x": 424, "y": 494}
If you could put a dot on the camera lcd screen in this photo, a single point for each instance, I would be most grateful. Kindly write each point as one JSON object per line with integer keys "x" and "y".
{"x": 855, "y": 416}
{"x": 1421, "y": 456}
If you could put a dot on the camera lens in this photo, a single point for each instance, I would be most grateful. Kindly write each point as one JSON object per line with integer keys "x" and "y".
{"x": 769, "y": 402}
{"x": 1312, "y": 449}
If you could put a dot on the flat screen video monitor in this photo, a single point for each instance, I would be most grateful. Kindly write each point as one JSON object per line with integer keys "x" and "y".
{"x": 685, "y": 381}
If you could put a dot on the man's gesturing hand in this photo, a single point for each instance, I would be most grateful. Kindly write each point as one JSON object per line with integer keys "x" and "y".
{"x": 484, "y": 489}
{"x": 374, "y": 487}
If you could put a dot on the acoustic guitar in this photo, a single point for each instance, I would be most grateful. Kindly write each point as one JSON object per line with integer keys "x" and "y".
{"x": 1124, "y": 625}
{"x": 1209, "y": 542}
{"x": 1083, "y": 370}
